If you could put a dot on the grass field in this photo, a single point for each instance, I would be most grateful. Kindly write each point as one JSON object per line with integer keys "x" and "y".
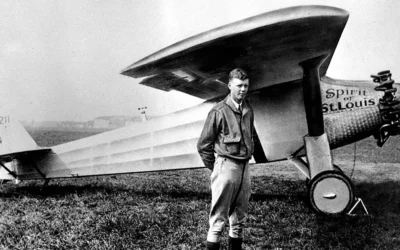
{"x": 169, "y": 210}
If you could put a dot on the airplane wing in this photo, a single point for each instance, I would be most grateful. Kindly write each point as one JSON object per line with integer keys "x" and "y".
{"x": 269, "y": 46}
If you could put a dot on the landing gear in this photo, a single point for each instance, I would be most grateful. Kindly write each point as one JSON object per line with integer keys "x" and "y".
{"x": 331, "y": 192}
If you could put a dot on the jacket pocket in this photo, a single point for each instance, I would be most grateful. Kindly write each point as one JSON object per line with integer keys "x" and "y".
{"x": 232, "y": 144}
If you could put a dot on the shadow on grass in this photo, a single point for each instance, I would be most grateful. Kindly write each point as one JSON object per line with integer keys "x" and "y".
{"x": 61, "y": 191}
{"x": 36, "y": 188}
{"x": 345, "y": 232}
{"x": 379, "y": 198}
{"x": 281, "y": 197}
{"x": 377, "y": 230}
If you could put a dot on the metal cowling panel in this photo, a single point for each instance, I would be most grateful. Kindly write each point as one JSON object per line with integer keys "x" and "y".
{"x": 351, "y": 126}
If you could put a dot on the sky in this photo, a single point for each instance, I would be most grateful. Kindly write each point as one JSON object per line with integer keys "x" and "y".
{"x": 61, "y": 60}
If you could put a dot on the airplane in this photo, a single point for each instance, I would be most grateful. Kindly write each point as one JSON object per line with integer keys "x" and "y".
{"x": 301, "y": 114}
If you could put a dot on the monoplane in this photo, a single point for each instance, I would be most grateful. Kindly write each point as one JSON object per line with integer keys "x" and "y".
{"x": 300, "y": 113}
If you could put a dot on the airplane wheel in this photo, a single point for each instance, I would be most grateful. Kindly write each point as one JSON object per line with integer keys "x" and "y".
{"x": 331, "y": 192}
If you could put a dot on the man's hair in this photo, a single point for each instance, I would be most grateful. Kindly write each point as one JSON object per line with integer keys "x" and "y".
{"x": 238, "y": 74}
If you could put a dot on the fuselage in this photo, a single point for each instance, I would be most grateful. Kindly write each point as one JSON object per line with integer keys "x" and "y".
{"x": 350, "y": 110}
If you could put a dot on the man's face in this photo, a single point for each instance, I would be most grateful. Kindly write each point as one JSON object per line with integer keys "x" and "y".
{"x": 238, "y": 89}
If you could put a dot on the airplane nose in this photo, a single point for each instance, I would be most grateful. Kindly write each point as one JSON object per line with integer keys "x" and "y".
{"x": 389, "y": 106}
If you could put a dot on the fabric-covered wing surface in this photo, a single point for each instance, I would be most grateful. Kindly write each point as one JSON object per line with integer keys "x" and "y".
{"x": 269, "y": 46}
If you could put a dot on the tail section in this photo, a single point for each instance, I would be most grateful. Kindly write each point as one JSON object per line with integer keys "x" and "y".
{"x": 13, "y": 137}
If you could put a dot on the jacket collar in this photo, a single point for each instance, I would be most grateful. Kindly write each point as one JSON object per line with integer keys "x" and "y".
{"x": 229, "y": 102}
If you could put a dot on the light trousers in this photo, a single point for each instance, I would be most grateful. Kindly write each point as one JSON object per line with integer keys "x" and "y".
{"x": 230, "y": 190}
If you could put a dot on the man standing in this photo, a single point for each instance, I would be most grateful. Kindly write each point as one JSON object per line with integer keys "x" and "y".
{"x": 228, "y": 132}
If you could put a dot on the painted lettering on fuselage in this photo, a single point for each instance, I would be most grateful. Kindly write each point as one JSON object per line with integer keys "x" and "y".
{"x": 336, "y": 98}
{"x": 4, "y": 119}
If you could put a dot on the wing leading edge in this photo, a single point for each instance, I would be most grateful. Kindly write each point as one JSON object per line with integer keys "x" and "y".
{"x": 269, "y": 46}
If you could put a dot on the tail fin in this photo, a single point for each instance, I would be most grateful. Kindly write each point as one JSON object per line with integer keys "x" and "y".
{"x": 13, "y": 136}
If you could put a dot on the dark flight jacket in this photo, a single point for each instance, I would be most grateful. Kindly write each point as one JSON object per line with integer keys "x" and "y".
{"x": 227, "y": 133}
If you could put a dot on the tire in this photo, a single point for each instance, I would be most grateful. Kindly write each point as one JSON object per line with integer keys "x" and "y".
{"x": 331, "y": 193}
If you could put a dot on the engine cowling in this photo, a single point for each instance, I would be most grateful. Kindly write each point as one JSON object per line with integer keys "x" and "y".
{"x": 389, "y": 107}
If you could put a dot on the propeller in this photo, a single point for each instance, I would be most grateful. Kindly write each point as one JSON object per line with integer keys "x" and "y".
{"x": 388, "y": 106}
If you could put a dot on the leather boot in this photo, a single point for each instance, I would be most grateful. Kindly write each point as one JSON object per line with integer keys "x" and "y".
{"x": 212, "y": 245}
{"x": 235, "y": 243}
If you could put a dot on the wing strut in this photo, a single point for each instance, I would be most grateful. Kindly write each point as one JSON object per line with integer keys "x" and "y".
{"x": 312, "y": 95}
{"x": 8, "y": 170}
{"x": 316, "y": 142}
